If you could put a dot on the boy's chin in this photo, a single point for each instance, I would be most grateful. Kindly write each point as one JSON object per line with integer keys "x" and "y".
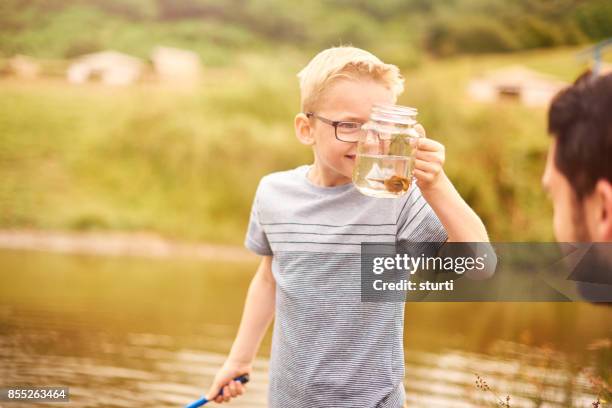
{"x": 346, "y": 173}
{"x": 349, "y": 159}
{"x": 349, "y": 176}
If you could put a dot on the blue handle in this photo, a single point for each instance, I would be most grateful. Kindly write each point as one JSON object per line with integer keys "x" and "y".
{"x": 242, "y": 378}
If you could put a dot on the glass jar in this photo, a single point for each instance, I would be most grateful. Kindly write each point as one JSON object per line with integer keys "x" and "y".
{"x": 385, "y": 151}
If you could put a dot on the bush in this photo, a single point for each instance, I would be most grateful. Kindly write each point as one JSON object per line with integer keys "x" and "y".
{"x": 81, "y": 47}
{"x": 595, "y": 18}
{"x": 471, "y": 35}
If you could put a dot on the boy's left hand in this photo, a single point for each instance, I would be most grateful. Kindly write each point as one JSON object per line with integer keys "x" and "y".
{"x": 429, "y": 162}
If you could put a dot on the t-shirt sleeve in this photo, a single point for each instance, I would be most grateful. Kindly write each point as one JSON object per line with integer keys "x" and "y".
{"x": 256, "y": 239}
{"x": 417, "y": 222}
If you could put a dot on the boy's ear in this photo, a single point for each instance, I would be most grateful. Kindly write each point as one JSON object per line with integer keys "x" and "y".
{"x": 303, "y": 129}
{"x": 603, "y": 197}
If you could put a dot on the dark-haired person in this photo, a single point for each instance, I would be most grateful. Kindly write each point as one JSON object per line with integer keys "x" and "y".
{"x": 578, "y": 174}
{"x": 578, "y": 177}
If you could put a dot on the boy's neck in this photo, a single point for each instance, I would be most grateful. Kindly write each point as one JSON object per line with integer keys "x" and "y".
{"x": 321, "y": 178}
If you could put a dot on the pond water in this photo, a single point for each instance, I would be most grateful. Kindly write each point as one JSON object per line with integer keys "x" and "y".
{"x": 125, "y": 332}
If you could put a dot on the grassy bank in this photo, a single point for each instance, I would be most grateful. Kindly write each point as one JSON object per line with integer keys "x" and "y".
{"x": 186, "y": 163}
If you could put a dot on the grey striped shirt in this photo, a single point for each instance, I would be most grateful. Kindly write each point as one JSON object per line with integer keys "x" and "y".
{"x": 329, "y": 349}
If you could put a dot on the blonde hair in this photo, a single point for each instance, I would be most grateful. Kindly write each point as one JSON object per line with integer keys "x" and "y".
{"x": 344, "y": 62}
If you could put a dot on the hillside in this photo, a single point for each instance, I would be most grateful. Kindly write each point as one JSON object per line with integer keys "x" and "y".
{"x": 186, "y": 164}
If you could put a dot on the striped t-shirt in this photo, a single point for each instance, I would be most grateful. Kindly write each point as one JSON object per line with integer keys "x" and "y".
{"x": 329, "y": 349}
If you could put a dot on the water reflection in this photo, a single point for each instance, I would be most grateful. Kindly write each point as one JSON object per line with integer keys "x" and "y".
{"x": 109, "y": 369}
{"x": 122, "y": 332}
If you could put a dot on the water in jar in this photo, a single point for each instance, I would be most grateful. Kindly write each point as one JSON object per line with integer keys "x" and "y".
{"x": 383, "y": 175}
{"x": 385, "y": 151}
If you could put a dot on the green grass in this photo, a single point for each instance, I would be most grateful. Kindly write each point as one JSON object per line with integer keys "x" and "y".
{"x": 186, "y": 163}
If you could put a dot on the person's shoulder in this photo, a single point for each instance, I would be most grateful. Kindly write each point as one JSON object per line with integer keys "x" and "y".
{"x": 281, "y": 180}
{"x": 282, "y": 176}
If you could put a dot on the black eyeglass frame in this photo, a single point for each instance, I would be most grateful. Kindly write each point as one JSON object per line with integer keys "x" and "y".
{"x": 335, "y": 124}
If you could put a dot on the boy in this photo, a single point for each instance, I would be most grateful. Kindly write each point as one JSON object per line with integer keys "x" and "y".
{"x": 329, "y": 349}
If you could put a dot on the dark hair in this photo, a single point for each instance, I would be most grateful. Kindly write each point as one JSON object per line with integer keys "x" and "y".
{"x": 580, "y": 119}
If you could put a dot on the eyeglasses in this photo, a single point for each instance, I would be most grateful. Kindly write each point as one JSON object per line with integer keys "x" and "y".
{"x": 349, "y": 132}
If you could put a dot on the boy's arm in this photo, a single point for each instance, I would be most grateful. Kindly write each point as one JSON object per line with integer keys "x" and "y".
{"x": 459, "y": 220}
{"x": 256, "y": 317}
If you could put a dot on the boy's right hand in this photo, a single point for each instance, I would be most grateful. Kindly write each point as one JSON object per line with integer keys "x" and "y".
{"x": 224, "y": 380}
